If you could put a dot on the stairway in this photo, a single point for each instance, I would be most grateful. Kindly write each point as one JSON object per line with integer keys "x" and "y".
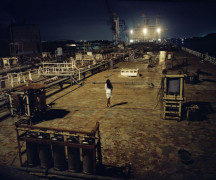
{"x": 172, "y": 110}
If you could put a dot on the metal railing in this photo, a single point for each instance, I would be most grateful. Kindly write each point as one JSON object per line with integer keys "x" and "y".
{"x": 15, "y": 78}
{"x": 59, "y": 69}
{"x": 18, "y": 78}
{"x": 204, "y": 57}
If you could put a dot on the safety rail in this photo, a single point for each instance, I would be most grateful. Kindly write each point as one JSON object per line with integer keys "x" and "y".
{"x": 15, "y": 78}
{"x": 205, "y": 57}
{"x": 20, "y": 77}
{"x": 68, "y": 69}
{"x": 56, "y": 67}
{"x": 65, "y": 65}
{"x": 59, "y": 69}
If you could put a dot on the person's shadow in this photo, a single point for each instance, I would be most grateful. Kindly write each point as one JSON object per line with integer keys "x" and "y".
{"x": 119, "y": 104}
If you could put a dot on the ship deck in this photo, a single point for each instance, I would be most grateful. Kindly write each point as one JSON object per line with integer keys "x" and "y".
{"x": 132, "y": 130}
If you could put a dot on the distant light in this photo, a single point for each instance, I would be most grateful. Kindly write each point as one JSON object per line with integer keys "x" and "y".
{"x": 145, "y": 31}
{"x": 159, "y": 40}
{"x": 70, "y": 44}
{"x": 131, "y": 31}
{"x": 131, "y": 40}
{"x": 158, "y": 30}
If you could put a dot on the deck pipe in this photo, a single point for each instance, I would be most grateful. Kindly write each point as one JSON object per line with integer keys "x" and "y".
{"x": 74, "y": 163}
{"x": 87, "y": 156}
{"x": 59, "y": 156}
{"x": 32, "y": 150}
{"x": 44, "y": 151}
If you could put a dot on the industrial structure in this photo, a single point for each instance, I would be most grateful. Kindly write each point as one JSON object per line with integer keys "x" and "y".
{"x": 146, "y": 32}
{"x": 118, "y": 26}
{"x": 20, "y": 40}
{"x": 42, "y": 142}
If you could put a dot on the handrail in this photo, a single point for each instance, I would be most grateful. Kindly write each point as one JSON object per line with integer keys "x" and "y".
{"x": 200, "y": 55}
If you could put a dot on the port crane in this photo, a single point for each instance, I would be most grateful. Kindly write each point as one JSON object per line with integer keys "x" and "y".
{"x": 118, "y": 26}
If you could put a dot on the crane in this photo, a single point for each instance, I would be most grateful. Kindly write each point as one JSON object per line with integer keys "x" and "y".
{"x": 118, "y": 26}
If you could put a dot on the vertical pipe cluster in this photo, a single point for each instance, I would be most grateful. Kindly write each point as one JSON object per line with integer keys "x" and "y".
{"x": 60, "y": 149}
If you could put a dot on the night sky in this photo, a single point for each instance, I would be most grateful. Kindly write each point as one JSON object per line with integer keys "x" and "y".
{"x": 87, "y": 19}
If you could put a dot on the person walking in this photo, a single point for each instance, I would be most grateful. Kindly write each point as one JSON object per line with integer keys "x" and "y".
{"x": 108, "y": 88}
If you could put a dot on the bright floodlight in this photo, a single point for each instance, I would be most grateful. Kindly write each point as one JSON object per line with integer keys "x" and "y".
{"x": 158, "y": 30}
{"x": 131, "y": 41}
{"x": 131, "y": 31}
{"x": 144, "y": 30}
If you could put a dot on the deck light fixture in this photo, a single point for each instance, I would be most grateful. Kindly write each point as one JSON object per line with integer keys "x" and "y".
{"x": 145, "y": 31}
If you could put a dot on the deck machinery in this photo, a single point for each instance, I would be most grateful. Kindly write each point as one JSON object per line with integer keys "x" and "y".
{"x": 58, "y": 149}
{"x": 26, "y": 101}
{"x": 173, "y": 94}
{"x": 169, "y": 60}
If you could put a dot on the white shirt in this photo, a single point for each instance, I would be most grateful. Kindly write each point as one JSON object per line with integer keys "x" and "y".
{"x": 108, "y": 90}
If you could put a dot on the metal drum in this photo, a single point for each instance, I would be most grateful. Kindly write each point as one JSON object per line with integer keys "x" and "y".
{"x": 87, "y": 156}
{"x": 44, "y": 151}
{"x": 59, "y": 156}
{"x": 32, "y": 150}
{"x": 73, "y": 155}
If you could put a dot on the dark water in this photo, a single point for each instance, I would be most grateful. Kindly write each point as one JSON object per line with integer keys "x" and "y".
{"x": 202, "y": 47}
